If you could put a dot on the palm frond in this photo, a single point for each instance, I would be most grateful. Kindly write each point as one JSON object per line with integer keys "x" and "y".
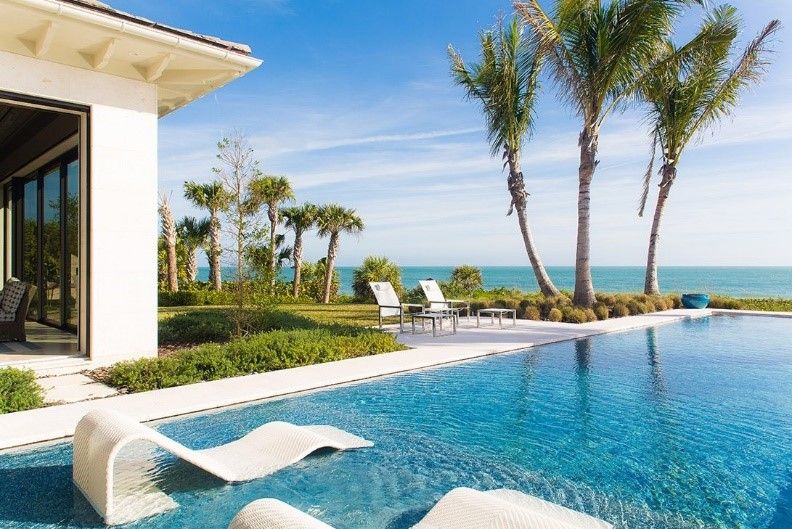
{"x": 647, "y": 179}
{"x": 749, "y": 69}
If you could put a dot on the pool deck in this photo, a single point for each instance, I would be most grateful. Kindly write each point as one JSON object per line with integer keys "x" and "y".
{"x": 57, "y": 422}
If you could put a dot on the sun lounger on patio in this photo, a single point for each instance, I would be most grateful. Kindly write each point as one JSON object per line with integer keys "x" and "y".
{"x": 434, "y": 294}
{"x": 101, "y": 434}
{"x": 462, "y": 508}
{"x": 388, "y": 303}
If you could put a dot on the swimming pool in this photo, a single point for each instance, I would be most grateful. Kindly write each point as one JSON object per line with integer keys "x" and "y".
{"x": 687, "y": 425}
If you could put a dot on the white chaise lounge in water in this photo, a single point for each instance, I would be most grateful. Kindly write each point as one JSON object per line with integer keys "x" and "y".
{"x": 462, "y": 508}
{"x": 101, "y": 434}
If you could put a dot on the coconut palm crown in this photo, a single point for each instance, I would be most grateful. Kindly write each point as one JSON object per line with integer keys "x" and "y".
{"x": 299, "y": 219}
{"x": 272, "y": 191}
{"x": 506, "y": 82}
{"x": 193, "y": 234}
{"x": 213, "y": 198}
{"x": 690, "y": 94}
{"x": 597, "y": 52}
{"x": 332, "y": 220}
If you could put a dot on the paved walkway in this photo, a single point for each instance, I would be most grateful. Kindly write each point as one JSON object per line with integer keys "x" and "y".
{"x": 55, "y": 422}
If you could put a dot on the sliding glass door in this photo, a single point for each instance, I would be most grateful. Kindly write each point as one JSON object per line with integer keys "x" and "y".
{"x": 46, "y": 240}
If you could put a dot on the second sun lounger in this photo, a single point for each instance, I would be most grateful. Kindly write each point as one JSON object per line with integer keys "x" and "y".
{"x": 462, "y": 508}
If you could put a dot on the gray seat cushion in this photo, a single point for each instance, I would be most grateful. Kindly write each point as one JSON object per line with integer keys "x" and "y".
{"x": 13, "y": 292}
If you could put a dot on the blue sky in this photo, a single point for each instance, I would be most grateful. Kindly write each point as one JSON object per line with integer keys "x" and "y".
{"x": 354, "y": 102}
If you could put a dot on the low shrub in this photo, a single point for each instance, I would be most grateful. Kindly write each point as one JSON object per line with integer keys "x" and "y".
{"x": 555, "y": 314}
{"x": 19, "y": 390}
{"x": 590, "y": 314}
{"x": 601, "y": 310}
{"x": 254, "y": 354}
{"x": 532, "y": 313}
{"x": 721, "y": 302}
{"x": 184, "y": 298}
{"x": 196, "y": 327}
{"x": 574, "y": 315}
{"x": 620, "y": 310}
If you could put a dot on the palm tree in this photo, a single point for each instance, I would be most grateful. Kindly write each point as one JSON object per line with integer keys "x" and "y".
{"x": 332, "y": 220}
{"x": 213, "y": 198}
{"x": 689, "y": 95}
{"x": 169, "y": 236}
{"x": 597, "y": 52}
{"x": 193, "y": 234}
{"x": 300, "y": 219}
{"x": 272, "y": 191}
{"x": 506, "y": 83}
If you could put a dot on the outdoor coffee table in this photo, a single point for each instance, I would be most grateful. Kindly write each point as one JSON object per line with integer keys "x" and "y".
{"x": 499, "y": 312}
{"x": 435, "y": 316}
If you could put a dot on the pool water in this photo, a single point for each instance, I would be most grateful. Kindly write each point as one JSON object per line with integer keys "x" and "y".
{"x": 681, "y": 426}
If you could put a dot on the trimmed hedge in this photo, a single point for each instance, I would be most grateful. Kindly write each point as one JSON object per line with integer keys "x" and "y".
{"x": 254, "y": 354}
{"x": 19, "y": 390}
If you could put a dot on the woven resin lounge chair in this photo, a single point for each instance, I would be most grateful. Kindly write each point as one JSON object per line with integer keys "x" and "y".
{"x": 14, "y": 307}
{"x": 434, "y": 294}
{"x": 126, "y": 495}
{"x": 388, "y": 303}
{"x": 462, "y": 508}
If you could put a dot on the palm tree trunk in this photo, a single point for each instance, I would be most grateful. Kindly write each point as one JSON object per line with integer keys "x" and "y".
{"x": 651, "y": 284}
{"x": 273, "y": 217}
{"x": 332, "y": 251}
{"x": 298, "y": 247}
{"x": 519, "y": 195}
{"x": 584, "y": 287}
{"x": 192, "y": 264}
{"x": 169, "y": 233}
{"x": 215, "y": 274}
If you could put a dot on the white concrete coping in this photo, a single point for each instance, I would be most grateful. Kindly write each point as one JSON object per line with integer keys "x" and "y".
{"x": 56, "y": 422}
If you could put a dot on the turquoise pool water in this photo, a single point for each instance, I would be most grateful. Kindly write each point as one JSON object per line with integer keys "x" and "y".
{"x": 683, "y": 426}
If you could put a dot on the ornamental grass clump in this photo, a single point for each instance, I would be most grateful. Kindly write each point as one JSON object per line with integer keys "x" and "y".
{"x": 19, "y": 390}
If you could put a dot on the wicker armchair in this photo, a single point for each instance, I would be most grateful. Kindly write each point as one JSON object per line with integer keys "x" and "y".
{"x": 15, "y": 330}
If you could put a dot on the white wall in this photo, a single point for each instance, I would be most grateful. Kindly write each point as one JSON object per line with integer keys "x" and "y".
{"x": 123, "y": 194}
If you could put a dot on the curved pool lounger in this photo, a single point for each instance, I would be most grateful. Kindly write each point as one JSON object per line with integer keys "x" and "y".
{"x": 462, "y": 508}
{"x": 101, "y": 434}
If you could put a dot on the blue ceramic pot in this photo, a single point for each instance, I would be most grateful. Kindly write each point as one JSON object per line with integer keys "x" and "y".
{"x": 695, "y": 301}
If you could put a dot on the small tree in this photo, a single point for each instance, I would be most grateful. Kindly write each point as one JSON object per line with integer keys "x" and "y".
{"x": 333, "y": 220}
{"x": 238, "y": 170}
{"x": 272, "y": 191}
{"x": 466, "y": 279}
{"x": 193, "y": 234}
{"x": 375, "y": 268}
{"x": 313, "y": 281}
{"x": 300, "y": 219}
{"x": 169, "y": 236}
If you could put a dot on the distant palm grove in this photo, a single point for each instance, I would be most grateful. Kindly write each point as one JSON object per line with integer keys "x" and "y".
{"x": 236, "y": 203}
{"x": 600, "y": 57}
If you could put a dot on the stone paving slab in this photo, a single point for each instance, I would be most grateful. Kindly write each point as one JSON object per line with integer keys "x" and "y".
{"x": 56, "y": 422}
{"x": 73, "y": 388}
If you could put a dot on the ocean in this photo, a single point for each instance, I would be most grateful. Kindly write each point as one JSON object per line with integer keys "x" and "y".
{"x": 763, "y": 282}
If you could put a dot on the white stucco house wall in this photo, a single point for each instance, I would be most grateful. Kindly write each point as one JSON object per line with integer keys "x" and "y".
{"x": 82, "y": 87}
